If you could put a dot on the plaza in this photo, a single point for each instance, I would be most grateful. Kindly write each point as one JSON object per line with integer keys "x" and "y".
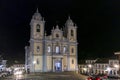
{"x": 48, "y": 76}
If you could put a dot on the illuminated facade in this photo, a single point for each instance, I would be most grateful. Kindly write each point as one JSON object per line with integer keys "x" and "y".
{"x": 56, "y": 52}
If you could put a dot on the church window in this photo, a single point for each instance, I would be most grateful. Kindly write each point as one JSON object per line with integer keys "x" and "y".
{"x": 57, "y": 35}
{"x": 72, "y": 50}
{"x": 72, "y": 33}
{"x": 37, "y": 61}
{"x": 64, "y": 49}
{"x": 38, "y": 28}
{"x": 49, "y": 50}
{"x": 72, "y": 61}
{"x": 38, "y": 48}
{"x": 57, "y": 49}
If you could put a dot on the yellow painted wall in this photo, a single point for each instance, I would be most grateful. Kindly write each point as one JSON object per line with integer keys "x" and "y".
{"x": 38, "y": 66}
{"x": 72, "y": 66}
{"x": 49, "y": 63}
{"x": 35, "y": 48}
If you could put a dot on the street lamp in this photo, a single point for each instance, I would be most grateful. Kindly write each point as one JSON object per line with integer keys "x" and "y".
{"x": 84, "y": 69}
{"x": 89, "y": 65}
{"x": 34, "y": 62}
{"x": 108, "y": 69}
{"x": 90, "y": 68}
{"x": 116, "y": 66}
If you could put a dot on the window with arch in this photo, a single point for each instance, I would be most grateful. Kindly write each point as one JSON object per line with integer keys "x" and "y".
{"x": 72, "y": 33}
{"x": 38, "y": 48}
{"x": 72, "y": 50}
{"x": 37, "y": 28}
{"x": 72, "y": 61}
{"x": 49, "y": 49}
{"x": 64, "y": 49}
{"x": 57, "y": 35}
{"x": 57, "y": 49}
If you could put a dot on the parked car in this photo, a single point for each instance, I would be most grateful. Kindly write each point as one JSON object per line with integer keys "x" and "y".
{"x": 97, "y": 77}
{"x": 4, "y": 74}
{"x": 103, "y": 76}
{"x": 18, "y": 72}
{"x": 89, "y": 78}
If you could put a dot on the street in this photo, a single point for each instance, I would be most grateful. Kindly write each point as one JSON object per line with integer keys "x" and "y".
{"x": 47, "y": 76}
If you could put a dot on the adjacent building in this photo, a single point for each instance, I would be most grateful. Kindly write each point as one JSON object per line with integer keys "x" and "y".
{"x": 118, "y": 55}
{"x": 100, "y": 66}
{"x": 55, "y": 52}
{"x": 3, "y": 65}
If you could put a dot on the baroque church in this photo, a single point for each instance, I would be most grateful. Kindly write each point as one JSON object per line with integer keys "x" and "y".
{"x": 56, "y": 52}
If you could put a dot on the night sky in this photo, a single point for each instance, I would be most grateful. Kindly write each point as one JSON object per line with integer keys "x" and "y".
{"x": 98, "y": 24}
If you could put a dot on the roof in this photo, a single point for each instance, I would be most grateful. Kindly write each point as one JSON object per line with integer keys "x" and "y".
{"x": 102, "y": 60}
{"x": 81, "y": 61}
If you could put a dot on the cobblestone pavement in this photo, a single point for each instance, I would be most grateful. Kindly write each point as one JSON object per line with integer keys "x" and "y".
{"x": 47, "y": 76}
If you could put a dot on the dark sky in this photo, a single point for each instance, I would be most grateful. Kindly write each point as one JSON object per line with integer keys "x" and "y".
{"x": 98, "y": 24}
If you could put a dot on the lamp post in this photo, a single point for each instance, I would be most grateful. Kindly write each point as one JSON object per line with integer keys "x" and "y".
{"x": 34, "y": 62}
{"x": 89, "y": 65}
{"x": 116, "y": 66}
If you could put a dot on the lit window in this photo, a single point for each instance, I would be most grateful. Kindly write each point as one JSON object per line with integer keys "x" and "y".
{"x": 38, "y": 28}
{"x": 57, "y": 49}
{"x": 38, "y": 48}
{"x": 64, "y": 49}
{"x": 49, "y": 50}
{"x": 72, "y": 33}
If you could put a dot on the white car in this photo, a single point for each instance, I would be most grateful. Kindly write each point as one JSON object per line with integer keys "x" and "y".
{"x": 18, "y": 72}
{"x": 3, "y": 74}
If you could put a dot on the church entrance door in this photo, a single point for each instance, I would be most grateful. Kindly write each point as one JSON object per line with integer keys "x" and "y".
{"x": 58, "y": 65}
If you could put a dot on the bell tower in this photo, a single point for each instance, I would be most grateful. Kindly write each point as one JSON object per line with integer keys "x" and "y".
{"x": 71, "y": 31}
{"x": 37, "y": 26}
{"x": 37, "y": 42}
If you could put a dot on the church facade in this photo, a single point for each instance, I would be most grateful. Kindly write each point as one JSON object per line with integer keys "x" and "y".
{"x": 56, "y": 52}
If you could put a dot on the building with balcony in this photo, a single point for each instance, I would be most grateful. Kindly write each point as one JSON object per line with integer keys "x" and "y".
{"x": 54, "y": 52}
